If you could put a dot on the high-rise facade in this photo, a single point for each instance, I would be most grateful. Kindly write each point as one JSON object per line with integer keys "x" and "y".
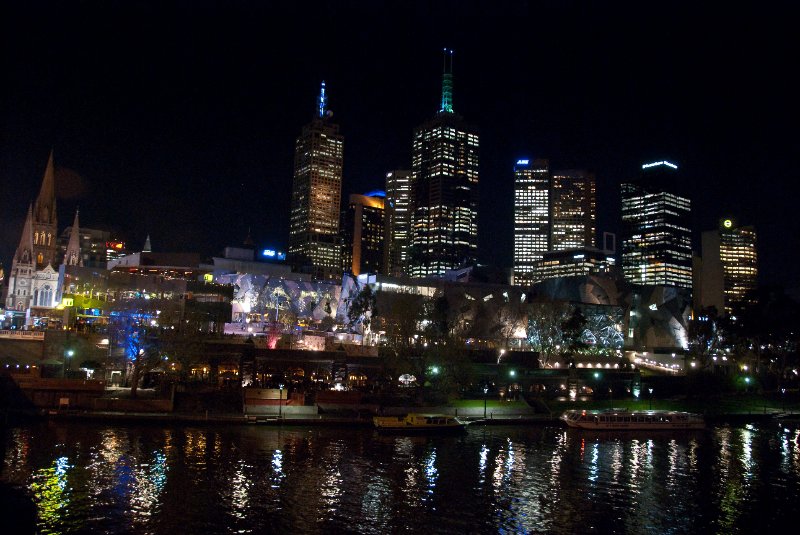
{"x": 728, "y": 267}
{"x": 444, "y": 189}
{"x": 364, "y": 234}
{"x": 656, "y": 233}
{"x": 316, "y": 196}
{"x": 573, "y": 210}
{"x": 398, "y": 221}
{"x": 531, "y": 217}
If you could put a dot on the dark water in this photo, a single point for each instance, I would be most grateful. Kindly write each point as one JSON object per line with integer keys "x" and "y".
{"x": 258, "y": 479}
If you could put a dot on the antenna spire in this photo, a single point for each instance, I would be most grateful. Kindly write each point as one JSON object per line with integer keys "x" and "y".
{"x": 447, "y": 81}
{"x": 323, "y": 100}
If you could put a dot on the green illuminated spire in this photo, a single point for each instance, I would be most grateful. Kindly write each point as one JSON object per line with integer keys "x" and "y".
{"x": 447, "y": 82}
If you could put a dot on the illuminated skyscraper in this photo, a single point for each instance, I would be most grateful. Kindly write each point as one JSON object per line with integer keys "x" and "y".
{"x": 398, "y": 221}
{"x": 531, "y": 217}
{"x": 729, "y": 266}
{"x": 656, "y": 234}
{"x": 364, "y": 234}
{"x": 316, "y": 196}
{"x": 444, "y": 189}
{"x": 573, "y": 210}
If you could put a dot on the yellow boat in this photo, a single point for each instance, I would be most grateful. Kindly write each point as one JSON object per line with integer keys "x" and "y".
{"x": 418, "y": 423}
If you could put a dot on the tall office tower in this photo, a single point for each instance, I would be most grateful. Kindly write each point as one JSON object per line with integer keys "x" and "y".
{"x": 656, "y": 235}
{"x": 531, "y": 217}
{"x": 444, "y": 189}
{"x": 729, "y": 266}
{"x": 398, "y": 221}
{"x": 364, "y": 234}
{"x": 573, "y": 210}
{"x": 316, "y": 196}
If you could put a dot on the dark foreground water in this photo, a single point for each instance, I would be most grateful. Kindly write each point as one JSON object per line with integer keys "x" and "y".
{"x": 257, "y": 479}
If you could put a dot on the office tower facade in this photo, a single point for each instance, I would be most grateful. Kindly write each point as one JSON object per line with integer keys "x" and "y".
{"x": 573, "y": 263}
{"x": 531, "y": 217}
{"x": 398, "y": 221}
{"x": 573, "y": 210}
{"x": 316, "y": 196}
{"x": 364, "y": 234}
{"x": 728, "y": 267}
{"x": 444, "y": 189}
{"x": 656, "y": 234}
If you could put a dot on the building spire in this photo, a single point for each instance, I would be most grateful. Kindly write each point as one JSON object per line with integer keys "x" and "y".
{"x": 44, "y": 209}
{"x": 447, "y": 81}
{"x": 25, "y": 250}
{"x": 147, "y": 247}
{"x": 73, "y": 255}
{"x": 322, "y": 101}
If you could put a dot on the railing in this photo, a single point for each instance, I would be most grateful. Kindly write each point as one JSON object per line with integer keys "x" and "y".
{"x": 23, "y": 335}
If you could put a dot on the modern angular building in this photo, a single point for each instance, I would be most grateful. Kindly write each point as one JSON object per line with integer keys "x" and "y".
{"x": 728, "y": 268}
{"x": 531, "y": 217}
{"x": 316, "y": 196}
{"x": 656, "y": 233}
{"x": 444, "y": 189}
{"x": 573, "y": 208}
{"x": 398, "y": 221}
{"x": 364, "y": 234}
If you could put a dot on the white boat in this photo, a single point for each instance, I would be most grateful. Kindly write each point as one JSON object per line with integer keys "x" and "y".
{"x": 622, "y": 419}
{"x": 418, "y": 423}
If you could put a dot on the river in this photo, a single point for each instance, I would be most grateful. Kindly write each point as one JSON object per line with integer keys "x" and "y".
{"x": 99, "y": 478}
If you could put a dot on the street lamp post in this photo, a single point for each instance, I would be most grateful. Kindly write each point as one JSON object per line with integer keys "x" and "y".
{"x": 68, "y": 354}
{"x": 280, "y": 401}
{"x": 783, "y": 399}
{"x": 651, "y": 397}
{"x": 485, "y": 391}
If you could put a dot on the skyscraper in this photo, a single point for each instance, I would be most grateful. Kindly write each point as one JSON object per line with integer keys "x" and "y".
{"x": 531, "y": 217}
{"x": 444, "y": 189}
{"x": 573, "y": 210}
{"x": 364, "y": 234}
{"x": 656, "y": 234}
{"x": 398, "y": 221}
{"x": 729, "y": 266}
{"x": 316, "y": 196}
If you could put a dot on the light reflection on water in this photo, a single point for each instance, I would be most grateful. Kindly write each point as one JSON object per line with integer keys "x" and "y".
{"x": 254, "y": 479}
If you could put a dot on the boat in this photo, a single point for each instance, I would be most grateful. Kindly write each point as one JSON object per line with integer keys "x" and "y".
{"x": 418, "y": 423}
{"x": 622, "y": 419}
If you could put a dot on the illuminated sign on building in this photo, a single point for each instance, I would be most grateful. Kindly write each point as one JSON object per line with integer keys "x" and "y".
{"x": 645, "y": 166}
{"x": 67, "y": 301}
{"x": 115, "y": 245}
{"x": 727, "y": 223}
{"x": 273, "y": 254}
{"x": 208, "y": 277}
{"x": 523, "y": 162}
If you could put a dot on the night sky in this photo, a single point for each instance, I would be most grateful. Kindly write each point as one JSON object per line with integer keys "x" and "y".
{"x": 178, "y": 119}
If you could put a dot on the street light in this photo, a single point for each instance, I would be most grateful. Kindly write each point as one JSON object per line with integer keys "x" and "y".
{"x": 783, "y": 399}
{"x": 68, "y": 354}
{"x": 485, "y": 391}
{"x": 651, "y": 397}
{"x": 280, "y": 400}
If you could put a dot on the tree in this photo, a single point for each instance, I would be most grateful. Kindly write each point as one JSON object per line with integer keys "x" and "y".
{"x": 545, "y": 321}
{"x": 362, "y": 309}
{"x": 134, "y": 326}
{"x": 573, "y": 333}
{"x": 704, "y": 335}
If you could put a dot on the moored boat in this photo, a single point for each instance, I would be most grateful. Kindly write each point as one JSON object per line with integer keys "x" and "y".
{"x": 418, "y": 423}
{"x": 622, "y": 419}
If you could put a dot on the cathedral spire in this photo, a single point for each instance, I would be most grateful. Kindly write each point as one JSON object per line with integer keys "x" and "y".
{"x": 44, "y": 210}
{"x": 24, "y": 252}
{"x": 147, "y": 247}
{"x": 447, "y": 81}
{"x": 73, "y": 255}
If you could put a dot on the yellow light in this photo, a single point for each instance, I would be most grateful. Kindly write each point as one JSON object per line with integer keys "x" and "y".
{"x": 727, "y": 223}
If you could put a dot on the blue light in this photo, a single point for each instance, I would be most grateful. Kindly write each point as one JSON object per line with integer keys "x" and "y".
{"x": 269, "y": 252}
{"x": 523, "y": 162}
{"x": 375, "y": 193}
{"x": 668, "y": 164}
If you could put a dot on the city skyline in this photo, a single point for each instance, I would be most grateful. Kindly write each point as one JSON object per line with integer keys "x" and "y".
{"x": 187, "y": 136}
